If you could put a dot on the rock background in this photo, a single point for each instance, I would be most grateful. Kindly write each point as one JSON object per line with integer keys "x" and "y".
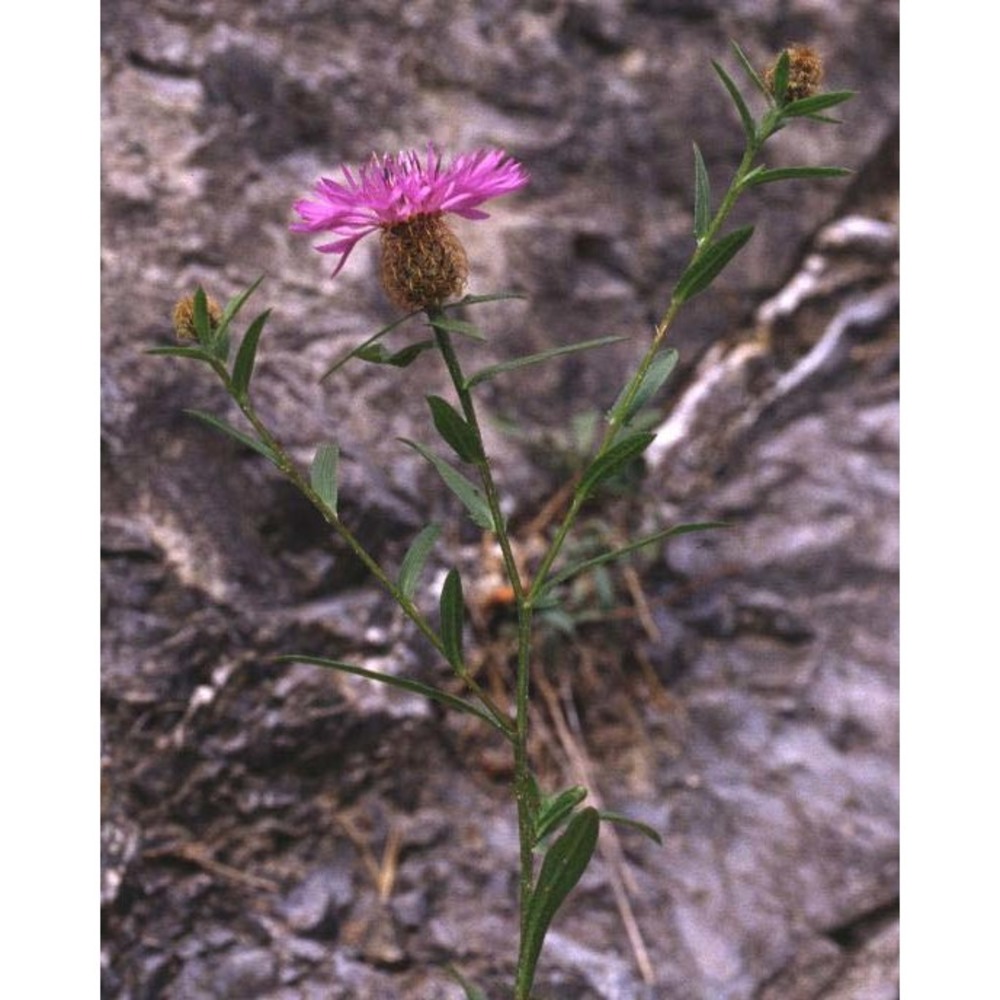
{"x": 273, "y": 831}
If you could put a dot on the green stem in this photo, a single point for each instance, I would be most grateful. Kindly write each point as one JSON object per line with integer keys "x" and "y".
{"x": 292, "y": 472}
{"x": 659, "y": 335}
{"x": 523, "y": 785}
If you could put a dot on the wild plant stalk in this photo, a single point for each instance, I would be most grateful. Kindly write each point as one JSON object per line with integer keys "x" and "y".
{"x": 423, "y": 269}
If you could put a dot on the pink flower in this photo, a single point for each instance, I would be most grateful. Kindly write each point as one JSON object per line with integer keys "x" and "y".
{"x": 390, "y": 190}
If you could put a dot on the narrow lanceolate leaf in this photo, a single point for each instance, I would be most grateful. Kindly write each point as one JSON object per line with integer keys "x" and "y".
{"x": 556, "y": 810}
{"x": 472, "y": 300}
{"x": 633, "y": 824}
{"x": 323, "y": 474}
{"x": 781, "y": 78}
{"x": 234, "y": 305}
{"x": 706, "y": 268}
{"x": 473, "y": 500}
{"x": 819, "y": 102}
{"x": 749, "y": 125}
{"x": 246, "y": 355}
{"x": 452, "y": 617}
{"x": 415, "y": 558}
{"x": 613, "y": 460}
{"x": 605, "y": 557}
{"x": 534, "y": 359}
{"x": 219, "y": 424}
{"x": 751, "y": 72}
{"x": 453, "y": 428}
{"x": 200, "y": 319}
{"x": 565, "y": 861}
{"x": 657, "y": 373}
{"x": 403, "y": 358}
{"x": 403, "y": 683}
{"x": 364, "y": 345}
{"x": 792, "y": 173}
{"x": 183, "y": 352}
{"x": 702, "y": 196}
{"x": 459, "y": 326}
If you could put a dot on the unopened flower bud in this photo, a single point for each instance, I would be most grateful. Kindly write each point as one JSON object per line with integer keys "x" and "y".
{"x": 805, "y": 72}
{"x": 423, "y": 262}
{"x": 183, "y": 317}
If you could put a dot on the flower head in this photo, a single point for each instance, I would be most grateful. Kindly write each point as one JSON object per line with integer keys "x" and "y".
{"x": 805, "y": 73}
{"x": 390, "y": 192}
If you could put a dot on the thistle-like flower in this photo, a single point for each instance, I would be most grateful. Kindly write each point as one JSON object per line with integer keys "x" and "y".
{"x": 805, "y": 73}
{"x": 423, "y": 262}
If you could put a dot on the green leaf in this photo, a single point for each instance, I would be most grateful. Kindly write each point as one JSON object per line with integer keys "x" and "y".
{"x": 403, "y": 683}
{"x": 416, "y": 557}
{"x": 241, "y": 436}
{"x": 818, "y": 102}
{"x": 473, "y": 500}
{"x": 792, "y": 173}
{"x": 644, "y": 828}
{"x": 454, "y": 429}
{"x": 472, "y": 300}
{"x": 564, "y": 864}
{"x": 354, "y": 351}
{"x": 657, "y": 373}
{"x": 613, "y": 460}
{"x": 459, "y": 326}
{"x": 200, "y": 318}
{"x": 556, "y": 810}
{"x": 704, "y": 269}
{"x": 452, "y": 618}
{"x": 183, "y": 352}
{"x": 233, "y": 306}
{"x": 749, "y": 125}
{"x": 533, "y": 359}
{"x": 702, "y": 196}
{"x": 323, "y": 474}
{"x": 472, "y": 992}
{"x": 751, "y": 72}
{"x": 781, "y": 79}
{"x": 377, "y": 354}
{"x": 246, "y": 355}
{"x": 605, "y": 557}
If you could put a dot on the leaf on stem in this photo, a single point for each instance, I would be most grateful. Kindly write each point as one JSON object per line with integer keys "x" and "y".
{"x": 355, "y": 351}
{"x": 556, "y": 810}
{"x": 403, "y": 683}
{"x": 403, "y": 358}
{"x": 452, "y": 618}
{"x": 565, "y": 861}
{"x": 472, "y": 300}
{"x": 233, "y": 306}
{"x": 633, "y": 824}
{"x": 534, "y": 359}
{"x": 791, "y": 173}
{"x": 781, "y": 68}
{"x": 749, "y": 125}
{"x": 658, "y": 536}
{"x": 453, "y": 427}
{"x": 818, "y": 102}
{"x": 612, "y": 461}
{"x": 323, "y": 474}
{"x": 415, "y": 558}
{"x": 200, "y": 318}
{"x": 219, "y": 424}
{"x": 246, "y": 356}
{"x": 657, "y": 373}
{"x": 459, "y": 326}
{"x": 751, "y": 72}
{"x": 704, "y": 269}
{"x": 702, "y": 196}
{"x": 473, "y": 500}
